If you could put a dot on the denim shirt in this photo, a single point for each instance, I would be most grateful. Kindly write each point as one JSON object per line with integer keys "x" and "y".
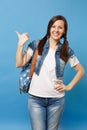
{"x": 60, "y": 63}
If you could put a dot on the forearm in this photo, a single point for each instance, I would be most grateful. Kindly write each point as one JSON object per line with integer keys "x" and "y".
{"x": 19, "y": 56}
{"x": 76, "y": 78}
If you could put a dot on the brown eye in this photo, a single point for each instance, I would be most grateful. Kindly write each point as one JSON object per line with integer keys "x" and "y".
{"x": 53, "y": 26}
{"x": 60, "y": 27}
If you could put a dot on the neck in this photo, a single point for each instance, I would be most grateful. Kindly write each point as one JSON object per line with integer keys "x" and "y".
{"x": 53, "y": 43}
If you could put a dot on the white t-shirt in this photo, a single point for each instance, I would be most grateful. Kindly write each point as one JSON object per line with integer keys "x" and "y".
{"x": 42, "y": 85}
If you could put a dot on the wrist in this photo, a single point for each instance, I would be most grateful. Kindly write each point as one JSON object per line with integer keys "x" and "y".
{"x": 68, "y": 88}
{"x": 20, "y": 44}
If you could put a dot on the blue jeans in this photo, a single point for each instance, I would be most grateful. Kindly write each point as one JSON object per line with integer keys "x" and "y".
{"x": 45, "y": 113}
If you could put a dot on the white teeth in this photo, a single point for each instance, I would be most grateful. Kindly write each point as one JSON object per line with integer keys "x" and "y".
{"x": 56, "y": 34}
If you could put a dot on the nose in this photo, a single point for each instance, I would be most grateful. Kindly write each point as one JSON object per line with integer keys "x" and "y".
{"x": 56, "y": 29}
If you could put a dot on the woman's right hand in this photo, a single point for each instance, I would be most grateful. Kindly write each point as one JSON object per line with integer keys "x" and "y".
{"x": 23, "y": 38}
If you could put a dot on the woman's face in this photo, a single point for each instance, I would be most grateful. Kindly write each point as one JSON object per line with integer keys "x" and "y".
{"x": 57, "y": 30}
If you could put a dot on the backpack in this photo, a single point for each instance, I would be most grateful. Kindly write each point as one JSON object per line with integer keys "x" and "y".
{"x": 27, "y": 73}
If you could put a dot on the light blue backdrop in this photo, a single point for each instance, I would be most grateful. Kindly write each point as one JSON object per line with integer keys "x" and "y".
{"x": 32, "y": 16}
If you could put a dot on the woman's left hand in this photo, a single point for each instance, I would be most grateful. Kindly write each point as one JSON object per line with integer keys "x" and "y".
{"x": 62, "y": 87}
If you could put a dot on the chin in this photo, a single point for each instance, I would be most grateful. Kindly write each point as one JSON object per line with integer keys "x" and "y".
{"x": 56, "y": 39}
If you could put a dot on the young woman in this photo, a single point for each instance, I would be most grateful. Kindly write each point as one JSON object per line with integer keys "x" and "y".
{"x": 47, "y": 89}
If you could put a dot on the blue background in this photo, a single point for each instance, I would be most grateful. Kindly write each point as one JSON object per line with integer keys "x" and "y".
{"x": 32, "y": 16}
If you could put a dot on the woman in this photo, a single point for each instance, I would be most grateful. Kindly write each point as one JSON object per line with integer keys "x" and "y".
{"x": 46, "y": 93}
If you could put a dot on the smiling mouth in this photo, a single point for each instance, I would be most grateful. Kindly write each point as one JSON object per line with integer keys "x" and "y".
{"x": 56, "y": 35}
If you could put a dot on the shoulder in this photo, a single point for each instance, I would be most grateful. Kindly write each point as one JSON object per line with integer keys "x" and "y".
{"x": 70, "y": 51}
{"x": 33, "y": 44}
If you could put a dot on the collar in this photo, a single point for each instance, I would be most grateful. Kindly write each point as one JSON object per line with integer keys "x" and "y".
{"x": 46, "y": 46}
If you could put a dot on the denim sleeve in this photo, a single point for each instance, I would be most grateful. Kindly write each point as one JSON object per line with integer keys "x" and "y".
{"x": 32, "y": 45}
{"x": 70, "y": 52}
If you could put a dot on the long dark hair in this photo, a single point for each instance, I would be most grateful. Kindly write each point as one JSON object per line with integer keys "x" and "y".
{"x": 64, "y": 48}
